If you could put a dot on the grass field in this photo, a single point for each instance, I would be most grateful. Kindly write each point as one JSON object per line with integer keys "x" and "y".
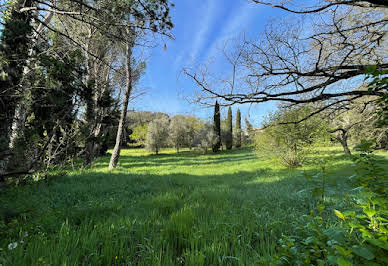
{"x": 169, "y": 209}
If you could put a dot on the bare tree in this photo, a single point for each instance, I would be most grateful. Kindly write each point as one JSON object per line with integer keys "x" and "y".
{"x": 320, "y": 57}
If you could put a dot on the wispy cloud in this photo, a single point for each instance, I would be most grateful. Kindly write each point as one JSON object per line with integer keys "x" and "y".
{"x": 239, "y": 22}
{"x": 206, "y": 21}
{"x": 204, "y": 27}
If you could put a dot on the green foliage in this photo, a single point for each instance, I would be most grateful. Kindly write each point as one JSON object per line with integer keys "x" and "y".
{"x": 362, "y": 238}
{"x": 178, "y": 132}
{"x": 378, "y": 83}
{"x": 238, "y": 129}
{"x": 229, "y": 130}
{"x": 157, "y": 135}
{"x": 217, "y": 127}
{"x": 139, "y": 133}
{"x": 205, "y": 138}
{"x": 14, "y": 48}
{"x": 287, "y": 139}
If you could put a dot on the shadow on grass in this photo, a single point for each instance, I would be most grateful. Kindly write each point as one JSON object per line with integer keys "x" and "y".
{"x": 100, "y": 195}
{"x": 185, "y": 158}
{"x": 254, "y": 207}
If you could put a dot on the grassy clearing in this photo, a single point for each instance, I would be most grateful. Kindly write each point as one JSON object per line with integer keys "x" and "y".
{"x": 167, "y": 209}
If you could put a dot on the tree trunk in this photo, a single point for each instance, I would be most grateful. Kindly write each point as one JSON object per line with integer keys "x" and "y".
{"x": 20, "y": 114}
{"x": 116, "y": 151}
{"x": 344, "y": 142}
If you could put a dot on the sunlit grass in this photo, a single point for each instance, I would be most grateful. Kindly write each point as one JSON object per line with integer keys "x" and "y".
{"x": 169, "y": 209}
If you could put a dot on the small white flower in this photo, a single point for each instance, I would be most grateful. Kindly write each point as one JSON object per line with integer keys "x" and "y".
{"x": 12, "y": 245}
{"x": 25, "y": 234}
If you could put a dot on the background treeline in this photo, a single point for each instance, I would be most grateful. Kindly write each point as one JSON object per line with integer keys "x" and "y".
{"x": 158, "y": 130}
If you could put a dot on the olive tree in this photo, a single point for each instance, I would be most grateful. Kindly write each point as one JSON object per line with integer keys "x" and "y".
{"x": 206, "y": 138}
{"x": 178, "y": 132}
{"x": 157, "y": 135}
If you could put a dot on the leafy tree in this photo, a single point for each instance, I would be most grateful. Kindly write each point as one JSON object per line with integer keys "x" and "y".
{"x": 206, "y": 138}
{"x": 238, "y": 129}
{"x": 14, "y": 47}
{"x": 157, "y": 17}
{"x": 139, "y": 133}
{"x": 217, "y": 128}
{"x": 136, "y": 118}
{"x": 229, "y": 129}
{"x": 192, "y": 126}
{"x": 249, "y": 133}
{"x": 132, "y": 76}
{"x": 178, "y": 132}
{"x": 157, "y": 135}
{"x": 287, "y": 141}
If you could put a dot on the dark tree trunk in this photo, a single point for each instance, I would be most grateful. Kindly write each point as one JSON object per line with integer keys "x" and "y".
{"x": 344, "y": 142}
{"x": 116, "y": 151}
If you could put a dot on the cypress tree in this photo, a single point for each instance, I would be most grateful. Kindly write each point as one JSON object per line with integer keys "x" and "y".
{"x": 217, "y": 127}
{"x": 229, "y": 128}
{"x": 238, "y": 129}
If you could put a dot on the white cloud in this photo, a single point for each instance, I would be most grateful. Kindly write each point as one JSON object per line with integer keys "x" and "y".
{"x": 240, "y": 20}
{"x": 205, "y": 21}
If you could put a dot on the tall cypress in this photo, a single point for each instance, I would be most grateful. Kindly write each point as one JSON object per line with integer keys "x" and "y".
{"x": 238, "y": 129}
{"x": 217, "y": 127}
{"x": 229, "y": 128}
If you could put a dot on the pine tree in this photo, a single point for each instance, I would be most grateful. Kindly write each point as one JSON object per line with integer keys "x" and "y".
{"x": 229, "y": 127}
{"x": 217, "y": 128}
{"x": 238, "y": 129}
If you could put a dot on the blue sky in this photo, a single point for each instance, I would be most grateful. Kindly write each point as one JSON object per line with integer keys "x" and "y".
{"x": 200, "y": 27}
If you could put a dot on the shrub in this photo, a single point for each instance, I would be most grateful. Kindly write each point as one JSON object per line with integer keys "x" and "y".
{"x": 362, "y": 238}
{"x": 286, "y": 139}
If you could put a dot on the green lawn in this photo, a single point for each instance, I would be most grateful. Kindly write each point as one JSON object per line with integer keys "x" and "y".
{"x": 229, "y": 208}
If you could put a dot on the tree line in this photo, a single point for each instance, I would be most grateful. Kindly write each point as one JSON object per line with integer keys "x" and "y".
{"x": 155, "y": 131}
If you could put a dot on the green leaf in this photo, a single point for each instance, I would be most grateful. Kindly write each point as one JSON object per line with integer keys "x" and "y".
{"x": 369, "y": 212}
{"x": 363, "y": 252}
{"x": 335, "y": 234}
{"x": 343, "y": 262}
{"x": 343, "y": 251}
{"x": 339, "y": 214}
{"x": 366, "y": 233}
{"x": 379, "y": 243}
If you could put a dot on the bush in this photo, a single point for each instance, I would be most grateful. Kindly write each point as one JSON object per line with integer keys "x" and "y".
{"x": 361, "y": 238}
{"x": 288, "y": 141}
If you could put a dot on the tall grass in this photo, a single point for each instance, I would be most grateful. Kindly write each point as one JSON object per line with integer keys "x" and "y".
{"x": 169, "y": 209}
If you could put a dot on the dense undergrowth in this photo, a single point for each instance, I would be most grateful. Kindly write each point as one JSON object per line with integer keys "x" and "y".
{"x": 231, "y": 208}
